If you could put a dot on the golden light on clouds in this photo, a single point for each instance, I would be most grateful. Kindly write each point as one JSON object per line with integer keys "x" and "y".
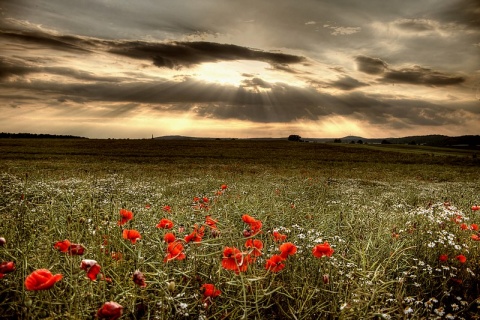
{"x": 228, "y": 71}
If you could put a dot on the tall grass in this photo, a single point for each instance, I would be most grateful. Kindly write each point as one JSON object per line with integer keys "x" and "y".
{"x": 389, "y": 218}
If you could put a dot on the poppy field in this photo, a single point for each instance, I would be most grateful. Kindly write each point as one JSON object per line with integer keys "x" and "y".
{"x": 236, "y": 230}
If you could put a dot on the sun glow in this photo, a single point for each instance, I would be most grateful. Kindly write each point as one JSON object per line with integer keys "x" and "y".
{"x": 229, "y": 72}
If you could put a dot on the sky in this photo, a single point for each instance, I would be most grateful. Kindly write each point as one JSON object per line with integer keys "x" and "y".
{"x": 240, "y": 69}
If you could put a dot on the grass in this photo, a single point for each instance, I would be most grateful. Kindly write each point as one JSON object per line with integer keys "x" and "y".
{"x": 384, "y": 213}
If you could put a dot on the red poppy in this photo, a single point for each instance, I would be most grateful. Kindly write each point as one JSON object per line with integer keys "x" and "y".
{"x": 443, "y": 258}
{"x": 167, "y": 208}
{"x": 256, "y": 245}
{"x": 196, "y": 235}
{"x": 475, "y": 208}
{"x": 71, "y": 248}
{"x": 139, "y": 278}
{"x": 255, "y": 225}
{"x": 474, "y": 226}
{"x": 205, "y": 200}
{"x": 275, "y": 263}
{"x": 456, "y": 280}
{"x": 91, "y": 267}
{"x": 174, "y": 252}
{"x": 248, "y": 219}
{"x": 288, "y": 249}
{"x": 461, "y": 258}
{"x": 76, "y": 249}
{"x": 210, "y": 222}
{"x": 165, "y": 224}
{"x": 110, "y": 311}
{"x": 278, "y": 237}
{"x": 321, "y": 250}
{"x": 132, "y": 235}
{"x": 463, "y": 226}
{"x": 41, "y": 279}
{"x": 475, "y": 237}
{"x": 234, "y": 259}
{"x": 223, "y": 187}
{"x": 209, "y": 292}
{"x": 125, "y": 216}
{"x": 169, "y": 237}
{"x": 62, "y": 246}
{"x": 231, "y": 257}
{"x": 6, "y": 267}
{"x": 457, "y": 219}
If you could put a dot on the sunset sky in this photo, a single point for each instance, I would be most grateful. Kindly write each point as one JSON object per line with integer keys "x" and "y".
{"x": 249, "y": 68}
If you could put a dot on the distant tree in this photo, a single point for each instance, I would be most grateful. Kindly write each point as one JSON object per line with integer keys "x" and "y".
{"x": 294, "y": 137}
{"x": 386, "y": 142}
{"x": 352, "y": 142}
{"x": 337, "y": 141}
{"x": 360, "y": 142}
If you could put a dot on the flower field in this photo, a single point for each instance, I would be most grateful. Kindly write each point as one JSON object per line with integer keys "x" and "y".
{"x": 238, "y": 237}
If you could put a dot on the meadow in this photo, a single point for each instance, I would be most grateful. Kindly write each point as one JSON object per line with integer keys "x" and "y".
{"x": 234, "y": 229}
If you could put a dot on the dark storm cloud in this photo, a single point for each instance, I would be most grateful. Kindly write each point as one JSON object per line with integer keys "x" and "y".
{"x": 421, "y": 76}
{"x": 465, "y": 12}
{"x": 57, "y": 42}
{"x": 416, "y": 75}
{"x": 347, "y": 83}
{"x": 371, "y": 65}
{"x": 175, "y": 55}
{"x": 277, "y": 102}
{"x": 20, "y": 68}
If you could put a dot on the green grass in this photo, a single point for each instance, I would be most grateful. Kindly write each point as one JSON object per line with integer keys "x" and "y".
{"x": 382, "y": 212}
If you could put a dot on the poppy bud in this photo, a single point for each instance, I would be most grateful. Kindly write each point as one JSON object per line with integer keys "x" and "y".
{"x": 28, "y": 303}
{"x": 139, "y": 278}
{"x": 2, "y": 241}
{"x": 326, "y": 279}
{"x": 171, "y": 286}
{"x": 247, "y": 233}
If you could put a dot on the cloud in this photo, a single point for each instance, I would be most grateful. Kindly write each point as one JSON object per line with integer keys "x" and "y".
{"x": 347, "y": 83}
{"x": 416, "y": 75}
{"x": 11, "y": 67}
{"x": 370, "y": 65}
{"x": 274, "y": 103}
{"x": 255, "y": 83}
{"x": 465, "y": 12}
{"x": 421, "y": 76}
{"x": 416, "y": 25}
{"x": 342, "y": 31}
{"x": 175, "y": 55}
{"x": 57, "y": 42}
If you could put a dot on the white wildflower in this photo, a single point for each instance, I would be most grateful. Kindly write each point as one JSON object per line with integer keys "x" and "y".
{"x": 439, "y": 311}
{"x": 408, "y": 310}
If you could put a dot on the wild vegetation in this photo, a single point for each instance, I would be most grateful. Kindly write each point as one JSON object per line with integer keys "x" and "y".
{"x": 148, "y": 229}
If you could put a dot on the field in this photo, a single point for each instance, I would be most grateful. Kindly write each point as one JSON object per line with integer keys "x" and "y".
{"x": 261, "y": 230}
